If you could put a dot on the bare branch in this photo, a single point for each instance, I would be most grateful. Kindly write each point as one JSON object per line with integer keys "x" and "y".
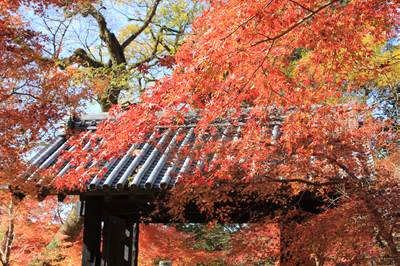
{"x": 158, "y": 25}
{"x": 146, "y": 22}
{"x": 114, "y": 47}
{"x": 153, "y": 53}
{"x": 62, "y": 36}
{"x": 81, "y": 57}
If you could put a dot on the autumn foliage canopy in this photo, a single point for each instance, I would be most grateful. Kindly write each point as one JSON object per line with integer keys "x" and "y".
{"x": 246, "y": 64}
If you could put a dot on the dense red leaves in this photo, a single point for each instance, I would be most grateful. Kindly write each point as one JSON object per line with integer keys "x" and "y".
{"x": 250, "y": 61}
{"x": 161, "y": 242}
{"x": 258, "y": 243}
{"x": 291, "y": 59}
{"x": 346, "y": 234}
{"x": 252, "y": 244}
{"x": 247, "y": 61}
{"x": 34, "y": 226}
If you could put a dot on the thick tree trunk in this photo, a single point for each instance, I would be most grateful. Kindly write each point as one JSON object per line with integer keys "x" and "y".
{"x": 71, "y": 228}
{"x": 109, "y": 98}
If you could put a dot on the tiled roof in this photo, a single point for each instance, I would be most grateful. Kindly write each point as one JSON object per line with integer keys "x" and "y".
{"x": 154, "y": 164}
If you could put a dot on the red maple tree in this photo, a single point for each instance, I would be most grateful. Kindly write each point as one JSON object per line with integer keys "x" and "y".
{"x": 243, "y": 55}
{"x": 249, "y": 62}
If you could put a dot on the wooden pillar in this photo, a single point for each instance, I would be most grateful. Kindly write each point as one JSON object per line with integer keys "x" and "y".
{"x": 113, "y": 240}
{"x": 118, "y": 235}
{"x": 92, "y": 231}
{"x": 134, "y": 241}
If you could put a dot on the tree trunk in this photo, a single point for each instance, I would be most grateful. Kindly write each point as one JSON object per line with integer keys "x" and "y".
{"x": 68, "y": 232}
{"x": 108, "y": 98}
{"x": 71, "y": 228}
{"x": 5, "y": 248}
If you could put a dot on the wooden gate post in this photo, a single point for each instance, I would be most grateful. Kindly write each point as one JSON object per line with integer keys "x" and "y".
{"x": 92, "y": 231}
{"x": 118, "y": 241}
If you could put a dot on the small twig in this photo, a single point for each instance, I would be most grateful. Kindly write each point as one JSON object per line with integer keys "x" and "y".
{"x": 295, "y": 25}
{"x": 24, "y": 94}
{"x": 146, "y": 22}
{"x": 260, "y": 65}
{"x": 303, "y": 181}
{"x": 301, "y": 5}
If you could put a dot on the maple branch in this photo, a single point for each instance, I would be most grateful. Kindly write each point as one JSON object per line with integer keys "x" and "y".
{"x": 301, "y": 5}
{"x": 259, "y": 66}
{"x": 24, "y": 94}
{"x": 16, "y": 92}
{"x": 82, "y": 58}
{"x": 147, "y": 21}
{"x": 344, "y": 168}
{"x": 298, "y": 23}
{"x": 303, "y": 181}
{"x": 153, "y": 53}
{"x": 266, "y": 74}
